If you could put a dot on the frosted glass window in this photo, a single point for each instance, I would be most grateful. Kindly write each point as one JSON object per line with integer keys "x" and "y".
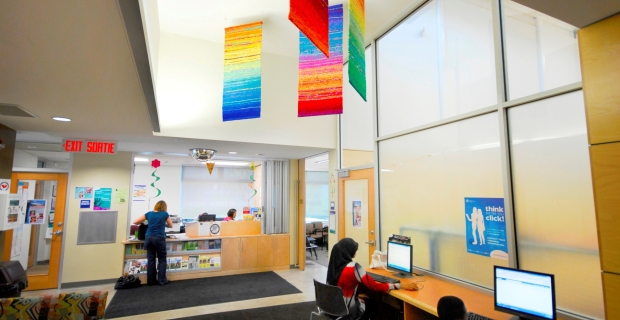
{"x": 541, "y": 51}
{"x": 553, "y": 198}
{"x": 317, "y": 186}
{"x": 214, "y": 193}
{"x": 356, "y": 127}
{"x": 424, "y": 179}
{"x": 436, "y": 64}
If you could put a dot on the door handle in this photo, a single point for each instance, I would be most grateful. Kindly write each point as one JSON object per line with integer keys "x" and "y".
{"x": 371, "y": 242}
{"x": 57, "y": 233}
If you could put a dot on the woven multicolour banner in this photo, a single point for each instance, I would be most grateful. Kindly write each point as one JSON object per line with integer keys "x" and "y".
{"x": 311, "y": 18}
{"x": 320, "y": 78}
{"x": 242, "y": 66}
{"x": 357, "y": 59}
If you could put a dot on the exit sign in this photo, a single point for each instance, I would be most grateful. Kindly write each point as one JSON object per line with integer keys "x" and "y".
{"x": 87, "y": 146}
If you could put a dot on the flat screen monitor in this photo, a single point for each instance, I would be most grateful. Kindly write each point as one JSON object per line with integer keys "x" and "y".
{"x": 399, "y": 258}
{"x": 206, "y": 217}
{"x": 526, "y": 294}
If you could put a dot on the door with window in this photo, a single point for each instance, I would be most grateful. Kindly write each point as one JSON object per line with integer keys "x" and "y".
{"x": 356, "y": 201}
{"x": 37, "y": 244}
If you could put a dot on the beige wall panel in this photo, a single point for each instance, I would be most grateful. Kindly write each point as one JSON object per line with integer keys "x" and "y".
{"x": 96, "y": 261}
{"x": 605, "y": 162}
{"x": 599, "y": 47}
{"x": 611, "y": 285}
{"x": 355, "y": 158}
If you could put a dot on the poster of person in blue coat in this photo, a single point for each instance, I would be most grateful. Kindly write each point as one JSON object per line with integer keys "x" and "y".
{"x": 485, "y": 222}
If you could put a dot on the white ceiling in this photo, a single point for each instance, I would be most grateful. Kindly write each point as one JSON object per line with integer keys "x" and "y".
{"x": 72, "y": 58}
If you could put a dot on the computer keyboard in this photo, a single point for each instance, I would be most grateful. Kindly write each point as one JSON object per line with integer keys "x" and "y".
{"x": 380, "y": 278}
{"x": 475, "y": 316}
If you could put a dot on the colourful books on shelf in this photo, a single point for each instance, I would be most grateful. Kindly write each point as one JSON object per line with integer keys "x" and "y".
{"x": 138, "y": 248}
{"x": 193, "y": 262}
{"x": 175, "y": 263}
{"x": 178, "y": 246}
{"x": 211, "y": 244}
{"x": 218, "y": 244}
{"x": 168, "y": 246}
{"x": 200, "y": 245}
{"x": 184, "y": 264}
{"x": 191, "y": 245}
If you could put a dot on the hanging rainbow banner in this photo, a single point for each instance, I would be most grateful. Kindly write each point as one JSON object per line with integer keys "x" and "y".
{"x": 320, "y": 78}
{"x": 242, "y": 67}
{"x": 311, "y": 18}
{"x": 357, "y": 59}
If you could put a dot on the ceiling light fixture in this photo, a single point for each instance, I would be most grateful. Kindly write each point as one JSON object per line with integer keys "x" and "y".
{"x": 232, "y": 152}
{"x": 61, "y": 119}
{"x": 321, "y": 161}
{"x": 138, "y": 159}
{"x": 231, "y": 163}
{"x": 259, "y": 154}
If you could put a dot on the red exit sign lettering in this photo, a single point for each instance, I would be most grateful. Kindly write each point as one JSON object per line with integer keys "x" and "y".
{"x": 86, "y": 146}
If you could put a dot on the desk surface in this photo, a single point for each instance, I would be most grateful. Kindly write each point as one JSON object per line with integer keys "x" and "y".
{"x": 426, "y": 299}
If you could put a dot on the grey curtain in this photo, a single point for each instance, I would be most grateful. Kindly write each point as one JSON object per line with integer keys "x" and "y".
{"x": 275, "y": 197}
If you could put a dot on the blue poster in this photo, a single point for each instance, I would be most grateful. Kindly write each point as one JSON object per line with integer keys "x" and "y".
{"x": 485, "y": 223}
{"x": 84, "y": 204}
{"x": 103, "y": 199}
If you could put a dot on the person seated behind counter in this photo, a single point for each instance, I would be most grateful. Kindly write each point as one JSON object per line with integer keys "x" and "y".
{"x": 451, "y": 308}
{"x": 230, "y": 216}
{"x": 342, "y": 271}
{"x": 155, "y": 242}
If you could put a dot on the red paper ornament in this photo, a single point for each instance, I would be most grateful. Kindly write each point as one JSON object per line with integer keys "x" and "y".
{"x": 155, "y": 163}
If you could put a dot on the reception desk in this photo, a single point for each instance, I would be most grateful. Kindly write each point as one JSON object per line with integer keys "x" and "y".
{"x": 422, "y": 304}
{"x": 216, "y": 255}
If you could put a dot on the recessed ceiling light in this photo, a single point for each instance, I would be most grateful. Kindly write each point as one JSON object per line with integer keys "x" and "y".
{"x": 259, "y": 154}
{"x": 31, "y": 147}
{"x": 321, "y": 161}
{"x": 138, "y": 159}
{"x": 232, "y": 152}
{"x": 61, "y": 119}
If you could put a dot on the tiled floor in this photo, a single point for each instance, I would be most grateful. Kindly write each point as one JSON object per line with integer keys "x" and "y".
{"x": 300, "y": 279}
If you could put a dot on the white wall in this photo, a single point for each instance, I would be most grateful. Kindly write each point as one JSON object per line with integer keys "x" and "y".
{"x": 150, "y": 23}
{"x": 24, "y": 159}
{"x": 169, "y": 184}
{"x": 189, "y": 97}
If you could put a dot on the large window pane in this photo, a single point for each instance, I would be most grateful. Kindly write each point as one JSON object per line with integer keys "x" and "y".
{"x": 554, "y": 206}
{"x": 424, "y": 180}
{"x": 356, "y": 128}
{"x": 436, "y": 64}
{"x": 541, "y": 51}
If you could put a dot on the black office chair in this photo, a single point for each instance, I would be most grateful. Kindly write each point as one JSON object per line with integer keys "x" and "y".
{"x": 329, "y": 301}
{"x": 310, "y": 246}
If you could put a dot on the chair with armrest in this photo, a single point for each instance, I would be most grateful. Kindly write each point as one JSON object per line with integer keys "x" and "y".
{"x": 329, "y": 301}
{"x": 317, "y": 232}
{"x": 310, "y": 246}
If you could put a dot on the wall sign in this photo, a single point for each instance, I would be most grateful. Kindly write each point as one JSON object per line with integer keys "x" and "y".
{"x": 89, "y": 146}
{"x": 485, "y": 224}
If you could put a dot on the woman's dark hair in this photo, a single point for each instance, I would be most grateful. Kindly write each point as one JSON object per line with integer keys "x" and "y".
{"x": 231, "y": 212}
{"x": 451, "y": 308}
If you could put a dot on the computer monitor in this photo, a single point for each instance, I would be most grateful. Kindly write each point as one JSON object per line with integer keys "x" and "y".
{"x": 526, "y": 294}
{"x": 206, "y": 217}
{"x": 399, "y": 258}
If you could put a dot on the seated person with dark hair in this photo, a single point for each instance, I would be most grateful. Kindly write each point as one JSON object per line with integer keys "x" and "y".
{"x": 230, "y": 216}
{"x": 451, "y": 308}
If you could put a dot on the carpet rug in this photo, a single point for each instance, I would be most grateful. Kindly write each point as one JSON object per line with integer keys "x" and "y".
{"x": 197, "y": 292}
{"x": 300, "y": 310}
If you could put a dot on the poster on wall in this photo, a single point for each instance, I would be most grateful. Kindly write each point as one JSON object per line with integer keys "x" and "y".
{"x": 83, "y": 192}
{"x": 35, "y": 211}
{"x": 332, "y": 222}
{"x": 486, "y": 227}
{"x": 120, "y": 195}
{"x": 357, "y": 214}
{"x": 103, "y": 199}
{"x": 84, "y": 204}
{"x": 139, "y": 192}
{"x": 5, "y": 186}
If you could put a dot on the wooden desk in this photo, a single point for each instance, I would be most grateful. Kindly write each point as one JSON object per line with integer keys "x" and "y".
{"x": 422, "y": 304}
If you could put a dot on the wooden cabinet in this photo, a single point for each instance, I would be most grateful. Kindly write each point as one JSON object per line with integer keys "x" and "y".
{"x": 231, "y": 253}
{"x": 248, "y": 259}
{"x": 273, "y": 250}
{"x": 282, "y": 248}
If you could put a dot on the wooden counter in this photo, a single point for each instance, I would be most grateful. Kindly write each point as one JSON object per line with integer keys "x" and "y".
{"x": 422, "y": 304}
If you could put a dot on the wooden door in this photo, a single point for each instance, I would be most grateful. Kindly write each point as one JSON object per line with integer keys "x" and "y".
{"x": 43, "y": 274}
{"x": 356, "y": 219}
{"x": 266, "y": 255}
{"x": 248, "y": 259}
{"x": 281, "y": 254}
{"x": 231, "y": 253}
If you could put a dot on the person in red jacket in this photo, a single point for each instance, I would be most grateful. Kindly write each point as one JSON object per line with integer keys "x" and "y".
{"x": 343, "y": 272}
